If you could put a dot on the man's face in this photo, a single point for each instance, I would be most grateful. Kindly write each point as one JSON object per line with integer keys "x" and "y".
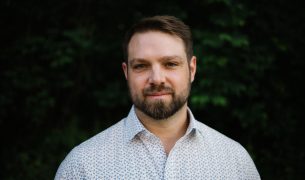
{"x": 158, "y": 73}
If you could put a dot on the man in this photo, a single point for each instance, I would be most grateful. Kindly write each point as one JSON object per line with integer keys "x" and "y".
{"x": 159, "y": 139}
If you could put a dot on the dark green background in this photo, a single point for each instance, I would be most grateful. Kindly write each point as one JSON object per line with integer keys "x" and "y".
{"x": 61, "y": 77}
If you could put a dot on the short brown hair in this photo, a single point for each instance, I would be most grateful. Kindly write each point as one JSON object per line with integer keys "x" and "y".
{"x": 167, "y": 24}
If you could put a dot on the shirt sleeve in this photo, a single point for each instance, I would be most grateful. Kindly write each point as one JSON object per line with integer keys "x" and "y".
{"x": 70, "y": 168}
{"x": 247, "y": 168}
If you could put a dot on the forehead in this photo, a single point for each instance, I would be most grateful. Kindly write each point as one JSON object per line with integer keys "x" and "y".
{"x": 155, "y": 44}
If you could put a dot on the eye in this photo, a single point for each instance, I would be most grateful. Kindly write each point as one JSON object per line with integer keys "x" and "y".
{"x": 139, "y": 66}
{"x": 171, "y": 64}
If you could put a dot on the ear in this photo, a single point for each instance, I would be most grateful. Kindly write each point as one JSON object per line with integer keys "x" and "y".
{"x": 193, "y": 66}
{"x": 125, "y": 69}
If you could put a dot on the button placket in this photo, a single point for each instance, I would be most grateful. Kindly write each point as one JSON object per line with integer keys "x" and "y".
{"x": 170, "y": 168}
{"x": 156, "y": 152}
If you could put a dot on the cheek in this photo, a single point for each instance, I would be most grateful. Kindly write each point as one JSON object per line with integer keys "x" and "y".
{"x": 179, "y": 79}
{"x": 136, "y": 82}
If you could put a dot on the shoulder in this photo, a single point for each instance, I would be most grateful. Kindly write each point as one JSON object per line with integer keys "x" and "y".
{"x": 103, "y": 139}
{"x": 221, "y": 144}
{"x": 217, "y": 139}
{"x": 83, "y": 156}
{"x": 232, "y": 151}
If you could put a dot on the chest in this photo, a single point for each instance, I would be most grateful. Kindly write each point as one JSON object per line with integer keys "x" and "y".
{"x": 148, "y": 160}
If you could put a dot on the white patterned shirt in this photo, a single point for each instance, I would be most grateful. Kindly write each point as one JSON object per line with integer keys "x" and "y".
{"x": 127, "y": 150}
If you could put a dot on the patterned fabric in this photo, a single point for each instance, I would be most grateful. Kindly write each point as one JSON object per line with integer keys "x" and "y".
{"x": 129, "y": 151}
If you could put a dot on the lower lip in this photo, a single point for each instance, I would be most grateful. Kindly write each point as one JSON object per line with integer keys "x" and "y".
{"x": 158, "y": 96}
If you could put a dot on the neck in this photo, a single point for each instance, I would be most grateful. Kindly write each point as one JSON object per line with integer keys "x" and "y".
{"x": 168, "y": 130}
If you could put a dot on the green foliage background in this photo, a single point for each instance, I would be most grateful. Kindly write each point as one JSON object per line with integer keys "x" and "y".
{"x": 61, "y": 78}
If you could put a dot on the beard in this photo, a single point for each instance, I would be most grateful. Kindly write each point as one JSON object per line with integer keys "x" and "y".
{"x": 160, "y": 109}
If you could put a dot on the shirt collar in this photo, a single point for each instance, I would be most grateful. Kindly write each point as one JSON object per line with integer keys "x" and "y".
{"x": 193, "y": 123}
{"x": 134, "y": 126}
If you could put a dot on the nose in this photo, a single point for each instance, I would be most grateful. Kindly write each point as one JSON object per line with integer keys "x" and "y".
{"x": 157, "y": 76}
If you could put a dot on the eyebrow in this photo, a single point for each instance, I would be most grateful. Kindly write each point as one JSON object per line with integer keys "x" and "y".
{"x": 163, "y": 58}
{"x": 171, "y": 58}
{"x": 132, "y": 61}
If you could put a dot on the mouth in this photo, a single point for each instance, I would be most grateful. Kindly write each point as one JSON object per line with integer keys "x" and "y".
{"x": 158, "y": 92}
{"x": 158, "y": 95}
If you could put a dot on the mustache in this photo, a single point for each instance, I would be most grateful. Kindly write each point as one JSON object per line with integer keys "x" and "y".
{"x": 157, "y": 89}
